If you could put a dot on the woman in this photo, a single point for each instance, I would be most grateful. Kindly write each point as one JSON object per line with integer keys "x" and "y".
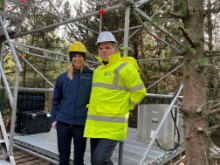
{"x": 70, "y": 97}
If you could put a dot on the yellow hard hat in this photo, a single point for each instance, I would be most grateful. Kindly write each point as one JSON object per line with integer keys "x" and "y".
{"x": 132, "y": 61}
{"x": 77, "y": 47}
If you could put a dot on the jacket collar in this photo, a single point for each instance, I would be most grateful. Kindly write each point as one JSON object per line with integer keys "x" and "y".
{"x": 114, "y": 58}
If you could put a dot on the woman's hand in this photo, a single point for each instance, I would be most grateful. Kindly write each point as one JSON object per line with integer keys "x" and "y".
{"x": 54, "y": 124}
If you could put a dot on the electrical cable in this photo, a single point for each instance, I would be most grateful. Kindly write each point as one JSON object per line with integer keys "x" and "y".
{"x": 178, "y": 135}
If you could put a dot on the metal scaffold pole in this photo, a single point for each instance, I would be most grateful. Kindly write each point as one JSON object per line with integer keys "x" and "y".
{"x": 141, "y": 2}
{"x": 126, "y": 30}
{"x": 14, "y": 109}
{"x": 156, "y": 26}
{"x": 4, "y": 79}
{"x": 52, "y": 85}
{"x": 152, "y": 34}
{"x": 165, "y": 76}
{"x": 51, "y": 27}
{"x": 18, "y": 65}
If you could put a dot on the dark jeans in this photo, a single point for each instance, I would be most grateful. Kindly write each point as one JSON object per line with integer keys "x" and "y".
{"x": 65, "y": 134}
{"x": 101, "y": 151}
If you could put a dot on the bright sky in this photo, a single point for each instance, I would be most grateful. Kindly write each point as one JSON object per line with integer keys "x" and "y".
{"x": 61, "y": 31}
{"x": 72, "y": 2}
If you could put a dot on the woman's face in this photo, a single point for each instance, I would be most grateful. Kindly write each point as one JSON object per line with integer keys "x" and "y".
{"x": 78, "y": 61}
{"x": 105, "y": 50}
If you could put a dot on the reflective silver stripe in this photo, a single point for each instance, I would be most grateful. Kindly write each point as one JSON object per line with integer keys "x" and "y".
{"x": 136, "y": 88}
{"x": 116, "y": 78}
{"x": 132, "y": 103}
{"x": 107, "y": 118}
{"x": 109, "y": 86}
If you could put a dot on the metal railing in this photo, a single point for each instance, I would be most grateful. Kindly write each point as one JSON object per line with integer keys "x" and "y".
{"x": 161, "y": 124}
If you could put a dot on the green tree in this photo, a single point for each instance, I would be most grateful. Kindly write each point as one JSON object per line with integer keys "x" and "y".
{"x": 195, "y": 107}
{"x": 1, "y": 5}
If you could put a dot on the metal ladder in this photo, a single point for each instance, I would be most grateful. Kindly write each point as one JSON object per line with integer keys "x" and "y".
{"x": 5, "y": 35}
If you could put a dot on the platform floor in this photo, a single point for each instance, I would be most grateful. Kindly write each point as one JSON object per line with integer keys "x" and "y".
{"x": 46, "y": 144}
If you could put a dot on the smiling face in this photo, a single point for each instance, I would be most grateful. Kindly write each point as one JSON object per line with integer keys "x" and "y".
{"x": 78, "y": 61}
{"x": 105, "y": 50}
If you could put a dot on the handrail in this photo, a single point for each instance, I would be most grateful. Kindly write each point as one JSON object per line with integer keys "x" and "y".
{"x": 32, "y": 89}
{"x": 162, "y": 96}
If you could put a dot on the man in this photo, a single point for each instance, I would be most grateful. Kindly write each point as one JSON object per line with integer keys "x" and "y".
{"x": 116, "y": 89}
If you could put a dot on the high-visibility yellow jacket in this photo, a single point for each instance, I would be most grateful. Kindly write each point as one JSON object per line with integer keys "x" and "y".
{"x": 116, "y": 89}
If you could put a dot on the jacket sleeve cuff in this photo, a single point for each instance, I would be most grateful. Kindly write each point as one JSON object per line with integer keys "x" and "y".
{"x": 131, "y": 107}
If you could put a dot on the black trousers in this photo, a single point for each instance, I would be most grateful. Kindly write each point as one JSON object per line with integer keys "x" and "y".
{"x": 102, "y": 150}
{"x": 65, "y": 134}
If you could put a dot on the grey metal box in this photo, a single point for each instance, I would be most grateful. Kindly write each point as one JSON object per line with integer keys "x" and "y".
{"x": 149, "y": 117}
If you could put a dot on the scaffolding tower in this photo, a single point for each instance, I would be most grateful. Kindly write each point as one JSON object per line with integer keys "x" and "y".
{"x": 8, "y": 33}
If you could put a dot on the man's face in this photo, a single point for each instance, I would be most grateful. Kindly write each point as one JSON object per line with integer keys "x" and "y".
{"x": 78, "y": 61}
{"x": 105, "y": 50}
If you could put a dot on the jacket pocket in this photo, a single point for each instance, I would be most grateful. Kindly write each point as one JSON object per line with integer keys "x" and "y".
{"x": 108, "y": 109}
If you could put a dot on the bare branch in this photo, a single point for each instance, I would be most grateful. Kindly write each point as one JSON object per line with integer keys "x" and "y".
{"x": 212, "y": 11}
{"x": 174, "y": 15}
{"x": 187, "y": 37}
{"x": 212, "y": 111}
{"x": 212, "y": 53}
{"x": 212, "y": 129}
{"x": 214, "y": 106}
{"x": 203, "y": 144}
{"x": 182, "y": 109}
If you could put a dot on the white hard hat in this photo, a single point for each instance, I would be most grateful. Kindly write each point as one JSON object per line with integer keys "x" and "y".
{"x": 106, "y": 36}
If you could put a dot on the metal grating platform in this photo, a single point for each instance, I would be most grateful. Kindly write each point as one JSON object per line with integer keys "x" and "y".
{"x": 46, "y": 144}
{"x": 3, "y": 162}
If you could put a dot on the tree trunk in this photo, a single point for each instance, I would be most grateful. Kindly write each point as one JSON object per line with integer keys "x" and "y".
{"x": 194, "y": 92}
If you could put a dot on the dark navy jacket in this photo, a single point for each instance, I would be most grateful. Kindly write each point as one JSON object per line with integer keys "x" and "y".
{"x": 70, "y": 97}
